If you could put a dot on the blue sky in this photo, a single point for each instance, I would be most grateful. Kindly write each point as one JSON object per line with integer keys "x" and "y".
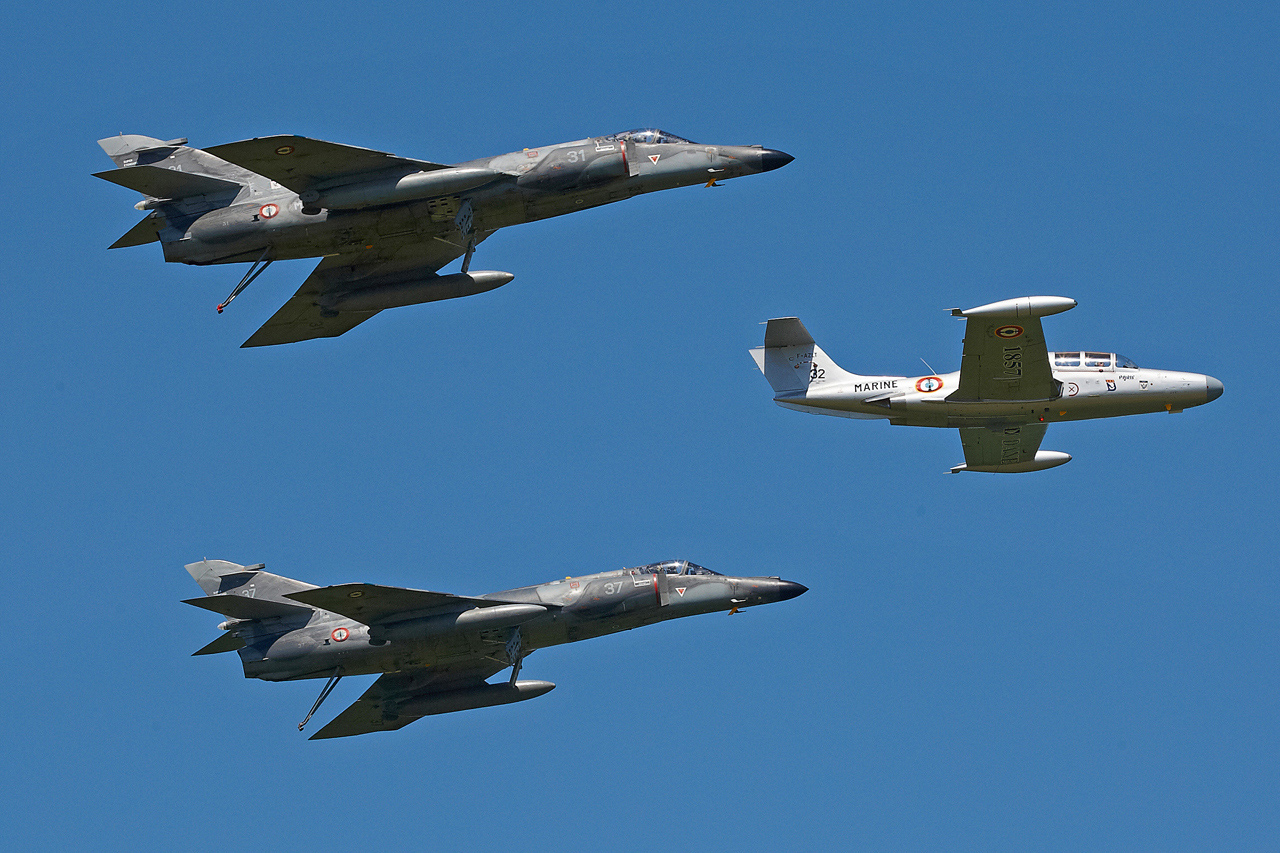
{"x": 1082, "y": 658}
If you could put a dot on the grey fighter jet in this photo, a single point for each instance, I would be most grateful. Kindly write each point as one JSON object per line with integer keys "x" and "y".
{"x": 385, "y": 225}
{"x": 433, "y": 652}
{"x": 1008, "y": 390}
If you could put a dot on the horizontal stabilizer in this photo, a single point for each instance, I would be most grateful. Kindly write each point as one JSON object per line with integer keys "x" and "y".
{"x": 146, "y": 231}
{"x": 158, "y": 182}
{"x": 243, "y": 607}
{"x": 225, "y": 643}
{"x": 370, "y": 604}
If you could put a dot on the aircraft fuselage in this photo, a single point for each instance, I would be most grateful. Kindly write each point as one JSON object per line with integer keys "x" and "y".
{"x": 930, "y": 400}
{"x": 550, "y": 614}
{"x": 510, "y": 189}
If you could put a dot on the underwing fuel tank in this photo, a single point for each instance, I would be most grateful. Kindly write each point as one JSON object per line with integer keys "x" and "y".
{"x": 398, "y": 189}
{"x": 483, "y": 696}
{"x": 417, "y": 291}
{"x": 476, "y": 619}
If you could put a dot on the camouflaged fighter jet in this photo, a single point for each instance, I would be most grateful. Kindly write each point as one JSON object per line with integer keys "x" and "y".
{"x": 433, "y": 651}
{"x": 1008, "y": 390}
{"x": 385, "y": 225}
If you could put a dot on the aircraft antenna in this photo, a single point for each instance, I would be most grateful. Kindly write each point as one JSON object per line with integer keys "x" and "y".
{"x": 926, "y": 364}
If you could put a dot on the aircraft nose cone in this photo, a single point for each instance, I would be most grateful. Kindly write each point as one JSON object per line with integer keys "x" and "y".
{"x": 770, "y": 160}
{"x": 788, "y": 589}
{"x": 1213, "y": 388}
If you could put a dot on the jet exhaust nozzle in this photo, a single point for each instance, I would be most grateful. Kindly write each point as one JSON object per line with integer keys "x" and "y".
{"x": 484, "y": 696}
{"x": 415, "y": 292}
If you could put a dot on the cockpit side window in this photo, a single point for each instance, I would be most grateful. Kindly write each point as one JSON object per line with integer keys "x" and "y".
{"x": 649, "y": 136}
{"x": 1066, "y": 359}
{"x": 1097, "y": 359}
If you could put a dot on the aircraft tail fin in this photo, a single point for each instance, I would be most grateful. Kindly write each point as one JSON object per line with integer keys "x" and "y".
{"x": 125, "y": 149}
{"x": 224, "y": 578}
{"x": 173, "y": 171}
{"x": 244, "y": 595}
{"x": 791, "y": 360}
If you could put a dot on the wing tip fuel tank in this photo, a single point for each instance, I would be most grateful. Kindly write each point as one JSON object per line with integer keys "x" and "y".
{"x": 1044, "y": 459}
{"x": 1023, "y": 306}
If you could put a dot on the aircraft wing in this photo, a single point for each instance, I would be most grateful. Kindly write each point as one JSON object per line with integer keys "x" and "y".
{"x": 302, "y": 317}
{"x": 299, "y": 163}
{"x": 989, "y": 448}
{"x": 377, "y": 709}
{"x": 1005, "y": 357}
{"x": 370, "y": 604}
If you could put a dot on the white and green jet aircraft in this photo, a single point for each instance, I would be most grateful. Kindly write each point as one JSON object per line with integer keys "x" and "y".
{"x": 433, "y": 652}
{"x": 1008, "y": 390}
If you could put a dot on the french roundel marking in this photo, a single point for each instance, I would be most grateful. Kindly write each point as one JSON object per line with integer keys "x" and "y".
{"x": 268, "y": 210}
{"x": 284, "y": 149}
{"x": 929, "y": 384}
{"x": 340, "y": 634}
{"x": 1009, "y": 332}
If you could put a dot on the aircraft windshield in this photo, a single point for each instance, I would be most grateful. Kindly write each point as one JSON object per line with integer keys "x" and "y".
{"x": 649, "y": 136}
{"x": 673, "y": 567}
{"x": 1125, "y": 363}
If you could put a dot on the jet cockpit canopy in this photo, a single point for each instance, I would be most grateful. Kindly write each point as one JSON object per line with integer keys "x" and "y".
{"x": 649, "y": 136}
{"x": 1091, "y": 361}
{"x": 673, "y": 567}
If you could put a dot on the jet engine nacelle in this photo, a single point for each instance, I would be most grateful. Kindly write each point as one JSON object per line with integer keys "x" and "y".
{"x": 397, "y": 189}
{"x": 476, "y": 619}
{"x": 398, "y": 294}
{"x": 1044, "y": 459}
{"x": 483, "y": 696}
